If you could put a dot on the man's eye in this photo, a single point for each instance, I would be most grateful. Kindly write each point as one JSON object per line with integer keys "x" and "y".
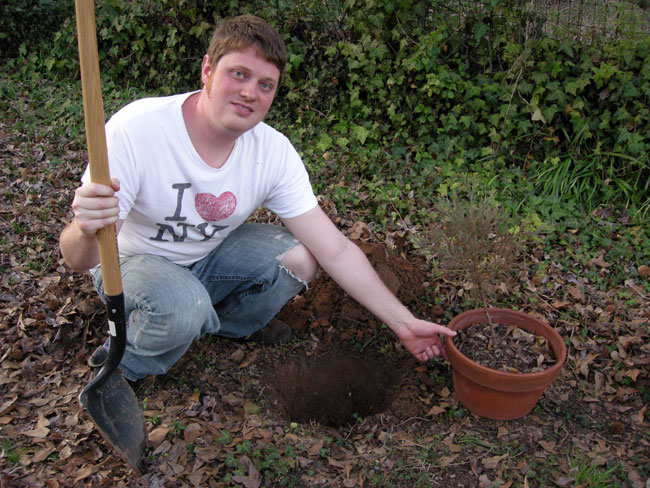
{"x": 238, "y": 74}
{"x": 266, "y": 86}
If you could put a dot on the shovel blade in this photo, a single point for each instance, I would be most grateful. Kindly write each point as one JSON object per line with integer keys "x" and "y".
{"x": 116, "y": 413}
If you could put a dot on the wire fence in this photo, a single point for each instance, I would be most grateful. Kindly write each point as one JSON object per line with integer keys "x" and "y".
{"x": 593, "y": 20}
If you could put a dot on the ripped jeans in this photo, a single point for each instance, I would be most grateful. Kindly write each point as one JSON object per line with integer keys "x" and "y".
{"x": 232, "y": 292}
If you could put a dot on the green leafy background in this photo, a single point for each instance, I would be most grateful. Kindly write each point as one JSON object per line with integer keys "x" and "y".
{"x": 391, "y": 103}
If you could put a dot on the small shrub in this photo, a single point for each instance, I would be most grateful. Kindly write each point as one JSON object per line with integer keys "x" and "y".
{"x": 475, "y": 242}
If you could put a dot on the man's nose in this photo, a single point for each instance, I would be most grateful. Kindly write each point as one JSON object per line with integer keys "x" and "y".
{"x": 248, "y": 90}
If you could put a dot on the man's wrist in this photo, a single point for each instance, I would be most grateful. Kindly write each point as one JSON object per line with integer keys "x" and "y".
{"x": 400, "y": 324}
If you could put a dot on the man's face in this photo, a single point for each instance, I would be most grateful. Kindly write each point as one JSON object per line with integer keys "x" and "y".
{"x": 239, "y": 91}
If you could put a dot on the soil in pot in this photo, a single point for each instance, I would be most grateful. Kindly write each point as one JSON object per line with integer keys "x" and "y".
{"x": 516, "y": 350}
{"x": 332, "y": 389}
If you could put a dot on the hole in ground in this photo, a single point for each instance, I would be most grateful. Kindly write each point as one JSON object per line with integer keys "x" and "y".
{"x": 334, "y": 388}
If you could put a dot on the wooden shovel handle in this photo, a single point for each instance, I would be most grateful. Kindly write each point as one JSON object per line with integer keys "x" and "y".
{"x": 96, "y": 136}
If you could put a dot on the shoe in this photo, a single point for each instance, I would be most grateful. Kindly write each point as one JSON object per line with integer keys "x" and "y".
{"x": 274, "y": 333}
{"x": 97, "y": 360}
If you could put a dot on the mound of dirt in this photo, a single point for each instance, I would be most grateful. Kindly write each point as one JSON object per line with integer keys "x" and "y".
{"x": 326, "y": 303}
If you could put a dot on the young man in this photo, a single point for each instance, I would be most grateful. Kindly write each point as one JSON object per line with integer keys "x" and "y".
{"x": 188, "y": 170}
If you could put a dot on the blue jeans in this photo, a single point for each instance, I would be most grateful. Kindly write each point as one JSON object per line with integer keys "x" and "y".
{"x": 232, "y": 292}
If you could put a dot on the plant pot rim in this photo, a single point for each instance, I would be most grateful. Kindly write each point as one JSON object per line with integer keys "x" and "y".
{"x": 516, "y": 318}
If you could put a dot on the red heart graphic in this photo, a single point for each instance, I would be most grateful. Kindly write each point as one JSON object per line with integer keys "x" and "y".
{"x": 213, "y": 208}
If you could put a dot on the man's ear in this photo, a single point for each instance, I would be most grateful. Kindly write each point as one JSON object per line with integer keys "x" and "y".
{"x": 205, "y": 70}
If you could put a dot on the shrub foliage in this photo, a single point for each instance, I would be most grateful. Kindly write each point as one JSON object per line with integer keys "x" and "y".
{"x": 394, "y": 99}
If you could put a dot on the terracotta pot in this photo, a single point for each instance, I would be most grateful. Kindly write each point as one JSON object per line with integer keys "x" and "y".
{"x": 501, "y": 395}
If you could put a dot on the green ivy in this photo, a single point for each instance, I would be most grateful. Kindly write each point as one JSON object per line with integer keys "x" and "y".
{"x": 396, "y": 99}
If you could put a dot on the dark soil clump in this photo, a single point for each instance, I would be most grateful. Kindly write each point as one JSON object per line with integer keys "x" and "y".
{"x": 326, "y": 303}
{"x": 516, "y": 351}
{"x": 333, "y": 389}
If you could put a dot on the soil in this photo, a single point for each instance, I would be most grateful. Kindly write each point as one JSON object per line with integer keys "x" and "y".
{"x": 325, "y": 303}
{"x": 334, "y": 389}
{"x": 515, "y": 351}
{"x": 354, "y": 368}
{"x": 348, "y": 376}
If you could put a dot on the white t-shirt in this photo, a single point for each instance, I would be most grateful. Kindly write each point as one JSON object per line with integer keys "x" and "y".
{"x": 176, "y": 206}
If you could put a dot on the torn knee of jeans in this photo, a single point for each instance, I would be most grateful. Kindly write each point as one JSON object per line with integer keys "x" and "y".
{"x": 302, "y": 268}
{"x": 296, "y": 277}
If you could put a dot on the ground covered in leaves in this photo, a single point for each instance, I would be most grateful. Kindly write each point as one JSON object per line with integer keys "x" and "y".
{"x": 226, "y": 414}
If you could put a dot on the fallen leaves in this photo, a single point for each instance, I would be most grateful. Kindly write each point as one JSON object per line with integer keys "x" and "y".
{"x": 639, "y": 417}
{"x": 577, "y": 294}
{"x": 158, "y": 435}
{"x": 210, "y": 419}
{"x": 252, "y": 479}
{"x": 548, "y": 446}
{"x": 493, "y": 461}
{"x": 40, "y": 431}
{"x": 437, "y": 409}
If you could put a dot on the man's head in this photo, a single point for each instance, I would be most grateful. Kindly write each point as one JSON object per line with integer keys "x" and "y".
{"x": 239, "y": 33}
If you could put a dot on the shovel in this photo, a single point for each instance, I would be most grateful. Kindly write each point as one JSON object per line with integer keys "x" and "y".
{"x": 108, "y": 398}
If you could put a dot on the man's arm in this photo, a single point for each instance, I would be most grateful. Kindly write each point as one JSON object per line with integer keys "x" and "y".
{"x": 95, "y": 206}
{"x": 349, "y": 267}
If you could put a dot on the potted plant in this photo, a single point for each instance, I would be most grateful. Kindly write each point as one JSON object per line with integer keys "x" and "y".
{"x": 475, "y": 242}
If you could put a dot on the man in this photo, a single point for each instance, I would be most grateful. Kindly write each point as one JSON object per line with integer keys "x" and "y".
{"x": 188, "y": 170}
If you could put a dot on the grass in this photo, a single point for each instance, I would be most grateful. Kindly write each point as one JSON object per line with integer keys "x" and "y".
{"x": 177, "y": 427}
{"x": 590, "y": 475}
{"x": 8, "y": 450}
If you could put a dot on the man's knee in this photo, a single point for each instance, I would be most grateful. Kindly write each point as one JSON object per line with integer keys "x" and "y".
{"x": 171, "y": 316}
{"x": 301, "y": 263}
{"x": 166, "y": 306}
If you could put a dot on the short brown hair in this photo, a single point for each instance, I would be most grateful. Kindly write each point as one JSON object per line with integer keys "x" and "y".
{"x": 243, "y": 31}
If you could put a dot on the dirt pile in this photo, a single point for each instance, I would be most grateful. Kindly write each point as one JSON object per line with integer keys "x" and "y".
{"x": 326, "y": 303}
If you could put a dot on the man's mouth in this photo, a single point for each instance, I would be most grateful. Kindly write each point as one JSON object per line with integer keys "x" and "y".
{"x": 243, "y": 108}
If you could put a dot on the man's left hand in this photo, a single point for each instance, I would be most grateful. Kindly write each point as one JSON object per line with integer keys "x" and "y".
{"x": 422, "y": 339}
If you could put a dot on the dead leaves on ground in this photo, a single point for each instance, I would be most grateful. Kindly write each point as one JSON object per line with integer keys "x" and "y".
{"x": 210, "y": 422}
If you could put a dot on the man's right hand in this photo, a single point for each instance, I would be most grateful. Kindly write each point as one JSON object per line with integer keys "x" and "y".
{"x": 95, "y": 206}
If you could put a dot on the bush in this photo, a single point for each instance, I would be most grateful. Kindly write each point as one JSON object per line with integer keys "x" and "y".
{"x": 405, "y": 90}
{"x": 395, "y": 99}
{"x": 29, "y": 22}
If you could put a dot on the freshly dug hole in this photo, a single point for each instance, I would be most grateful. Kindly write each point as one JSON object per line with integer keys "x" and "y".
{"x": 333, "y": 388}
